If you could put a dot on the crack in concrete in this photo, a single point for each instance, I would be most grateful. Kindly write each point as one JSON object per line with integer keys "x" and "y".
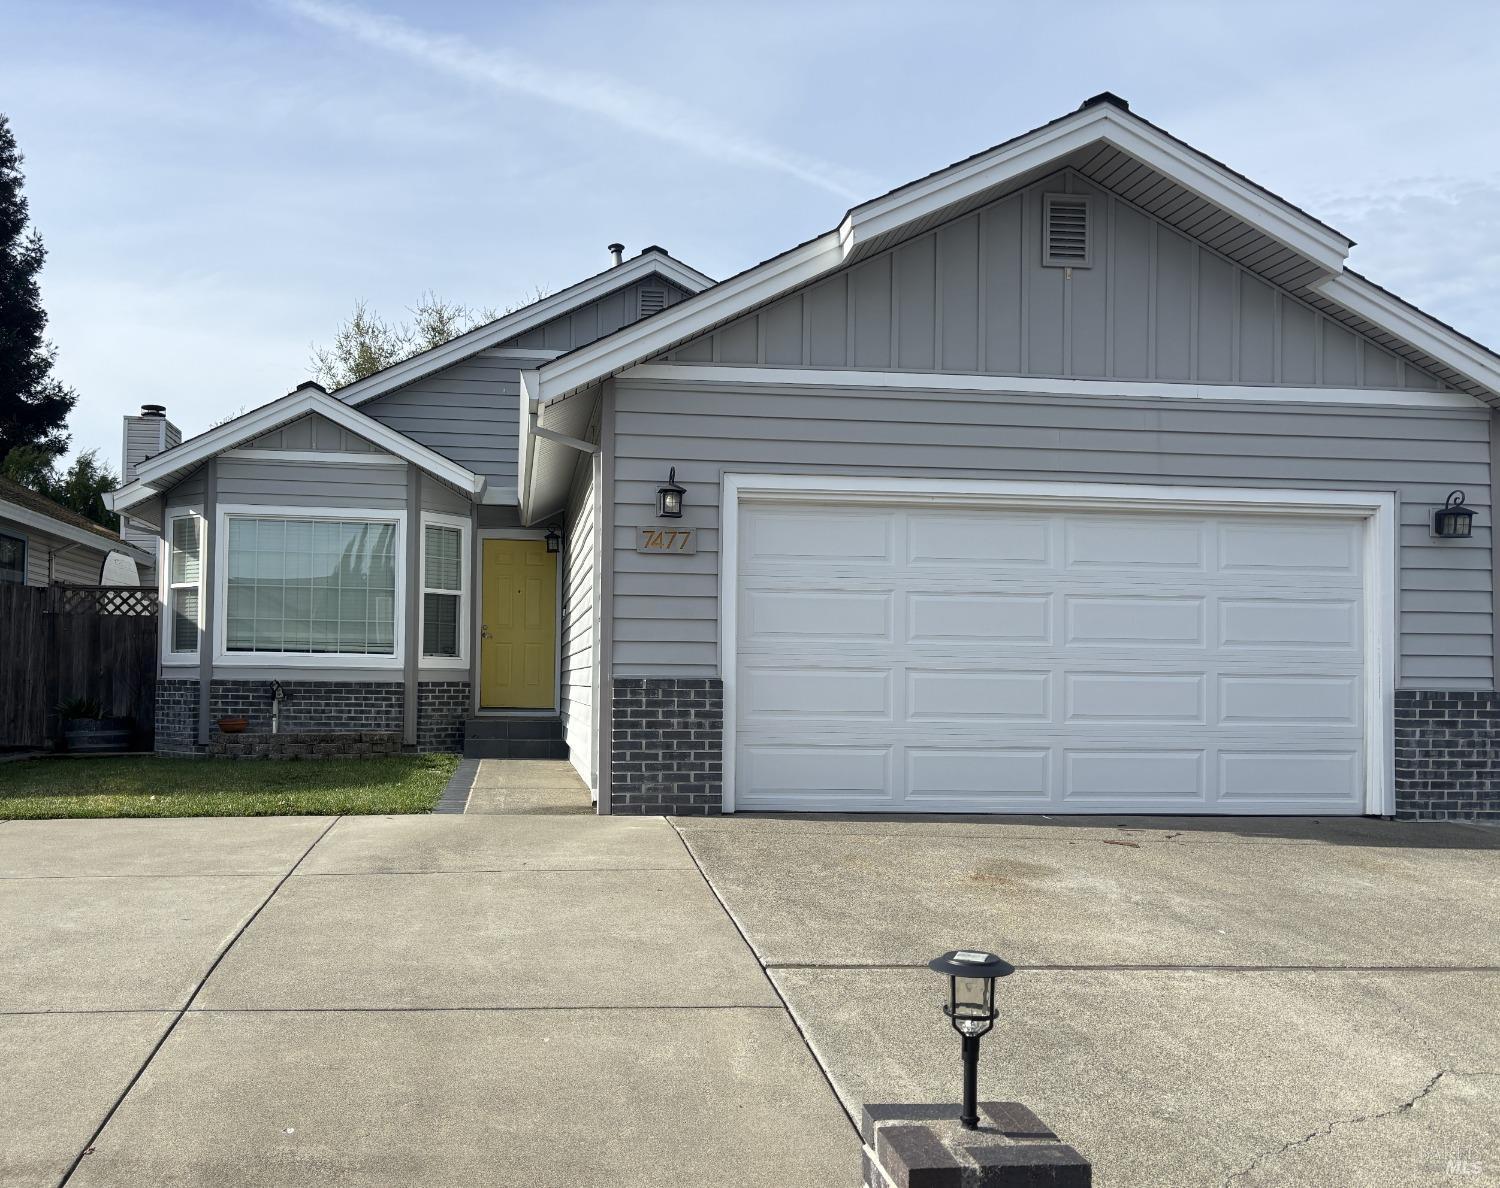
{"x": 1323, "y": 1131}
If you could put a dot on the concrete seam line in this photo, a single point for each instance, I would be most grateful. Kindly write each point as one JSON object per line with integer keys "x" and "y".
{"x": 482, "y": 1010}
{"x": 355, "y": 874}
{"x": 227, "y": 874}
{"x": 183, "y": 1010}
{"x": 770, "y": 981}
{"x": 1379, "y": 969}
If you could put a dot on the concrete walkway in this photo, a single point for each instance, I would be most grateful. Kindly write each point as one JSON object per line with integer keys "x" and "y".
{"x": 455, "y": 1000}
{"x": 528, "y": 786}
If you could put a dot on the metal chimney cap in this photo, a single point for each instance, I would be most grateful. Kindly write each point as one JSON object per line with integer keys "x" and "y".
{"x": 617, "y": 253}
{"x": 153, "y": 410}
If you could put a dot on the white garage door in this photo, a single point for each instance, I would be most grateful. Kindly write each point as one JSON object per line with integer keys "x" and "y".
{"x": 928, "y": 659}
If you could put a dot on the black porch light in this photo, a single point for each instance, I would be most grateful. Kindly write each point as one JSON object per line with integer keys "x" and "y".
{"x": 669, "y": 497}
{"x": 1453, "y": 521}
{"x": 970, "y": 1008}
{"x": 553, "y": 539}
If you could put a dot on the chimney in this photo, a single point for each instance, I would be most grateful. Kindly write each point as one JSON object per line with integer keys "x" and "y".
{"x": 146, "y": 434}
{"x": 616, "y": 254}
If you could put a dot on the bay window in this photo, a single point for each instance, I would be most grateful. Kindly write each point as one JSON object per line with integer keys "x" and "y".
{"x": 184, "y": 584}
{"x": 445, "y": 564}
{"x": 322, "y": 584}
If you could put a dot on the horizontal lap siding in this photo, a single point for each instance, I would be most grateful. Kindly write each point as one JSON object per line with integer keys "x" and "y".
{"x": 666, "y": 608}
{"x": 306, "y": 484}
{"x": 578, "y": 625}
{"x": 466, "y": 412}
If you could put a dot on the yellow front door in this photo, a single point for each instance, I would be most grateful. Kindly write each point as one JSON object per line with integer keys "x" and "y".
{"x": 518, "y": 643}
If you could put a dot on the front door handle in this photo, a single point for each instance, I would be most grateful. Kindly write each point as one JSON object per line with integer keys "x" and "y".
{"x": 484, "y": 631}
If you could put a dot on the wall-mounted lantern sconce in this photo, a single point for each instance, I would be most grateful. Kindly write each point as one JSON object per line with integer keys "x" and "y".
{"x": 971, "y": 1009}
{"x": 553, "y": 539}
{"x": 669, "y": 498}
{"x": 1453, "y": 521}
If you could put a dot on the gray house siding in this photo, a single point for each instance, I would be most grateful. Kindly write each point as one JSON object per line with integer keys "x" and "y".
{"x": 578, "y": 623}
{"x": 665, "y": 609}
{"x": 972, "y": 296}
{"x": 467, "y": 413}
{"x": 54, "y": 561}
{"x": 583, "y": 325}
{"x": 313, "y": 432}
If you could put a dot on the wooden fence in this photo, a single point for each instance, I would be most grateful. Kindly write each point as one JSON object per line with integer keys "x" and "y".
{"x": 63, "y": 642}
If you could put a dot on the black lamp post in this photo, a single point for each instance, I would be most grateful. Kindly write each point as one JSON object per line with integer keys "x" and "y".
{"x": 1453, "y": 521}
{"x": 971, "y": 1009}
{"x": 669, "y": 497}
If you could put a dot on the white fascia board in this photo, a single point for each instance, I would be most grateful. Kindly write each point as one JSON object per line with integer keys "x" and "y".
{"x": 526, "y": 318}
{"x": 1288, "y": 226}
{"x": 1359, "y": 296}
{"x": 657, "y": 333}
{"x": 919, "y": 381}
{"x": 261, "y": 420}
{"x": 74, "y": 535}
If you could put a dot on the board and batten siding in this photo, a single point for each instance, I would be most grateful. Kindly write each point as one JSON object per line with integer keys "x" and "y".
{"x": 972, "y": 297}
{"x": 578, "y": 616}
{"x": 666, "y": 608}
{"x": 313, "y": 432}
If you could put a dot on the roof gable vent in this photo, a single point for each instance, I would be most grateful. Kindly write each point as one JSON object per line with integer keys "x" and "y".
{"x": 1065, "y": 231}
{"x": 651, "y": 301}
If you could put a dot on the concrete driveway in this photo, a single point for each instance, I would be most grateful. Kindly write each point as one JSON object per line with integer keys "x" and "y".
{"x": 1198, "y": 1002}
{"x": 453, "y": 1000}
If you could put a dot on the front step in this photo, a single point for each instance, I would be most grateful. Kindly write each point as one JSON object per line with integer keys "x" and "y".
{"x": 515, "y": 737}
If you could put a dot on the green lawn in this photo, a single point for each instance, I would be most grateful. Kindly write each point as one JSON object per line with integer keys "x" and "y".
{"x": 148, "y": 787}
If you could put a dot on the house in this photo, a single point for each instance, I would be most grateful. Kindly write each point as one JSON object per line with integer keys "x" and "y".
{"x": 43, "y": 543}
{"x": 1081, "y": 476}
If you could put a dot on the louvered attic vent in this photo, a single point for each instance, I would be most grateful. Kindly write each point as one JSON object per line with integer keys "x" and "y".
{"x": 652, "y": 301}
{"x": 1066, "y": 231}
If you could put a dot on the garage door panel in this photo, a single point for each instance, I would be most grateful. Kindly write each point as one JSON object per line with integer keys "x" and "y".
{"x": 1122, "y": 542}
{"x": 1123, "y": 776}
{"x": 946, "y": 539}
{"x": 1289, "y": 700}
{"x": 1135, "y": 697}
{"x": 829, "y": 614}
{"x": 1289, "y": 623}
{"x": 979, "y": 776}
{"x": 1135, "y": 620}
{"x": 1281, "y": 548}
{"x": 1014, "y": 618}
{"x": 963, "y": 660}
{"x": 1290, "y": 777}
{"x": 950, "y": 695}
{"x": 835, "y": 693}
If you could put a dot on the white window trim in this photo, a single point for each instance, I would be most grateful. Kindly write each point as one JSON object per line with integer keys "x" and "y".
{"x": 169, "y": 658}
{"x": 223, "y": 657}
{"x": 465, "y": 581}
{"x": 1376, "y": 508}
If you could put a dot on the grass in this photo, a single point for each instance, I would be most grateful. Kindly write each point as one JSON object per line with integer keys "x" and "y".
{"x": 148, "y": 787}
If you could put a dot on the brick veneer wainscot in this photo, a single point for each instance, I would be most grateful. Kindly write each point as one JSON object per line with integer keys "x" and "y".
{"x": 177, "y": 717}
{"x": 1448, "y": 755}
{"x": 667, "y": 745}
{"x": 311, "y": 705}
{"x": 442, "y": 710}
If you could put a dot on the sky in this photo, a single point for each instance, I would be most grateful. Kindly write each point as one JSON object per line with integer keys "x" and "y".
{"x": 217, "y": 182}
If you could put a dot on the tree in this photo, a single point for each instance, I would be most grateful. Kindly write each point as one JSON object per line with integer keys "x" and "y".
{"x": 80, "y": 487}
{"x": 34, "y": 406}
{"x": 367, "y": 343}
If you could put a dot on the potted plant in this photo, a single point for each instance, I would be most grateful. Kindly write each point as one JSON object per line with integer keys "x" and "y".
{"x": 233, "y": 725}
{"x": 85, "y": 728}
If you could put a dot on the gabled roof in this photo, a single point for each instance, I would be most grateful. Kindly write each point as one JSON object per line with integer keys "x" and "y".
{"x": 24, "y": 506}
{"x": 652, "y": 261}
{"x": 159, "y": 472}
{"x": 1288, "y": 244}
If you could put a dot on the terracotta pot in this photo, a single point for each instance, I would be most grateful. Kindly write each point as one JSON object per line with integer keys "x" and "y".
{"x": 233, "y": 725}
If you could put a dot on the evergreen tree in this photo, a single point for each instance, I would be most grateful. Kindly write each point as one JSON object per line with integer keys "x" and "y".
{"x": 34, "y": 406}
{"x": 81, "y": 486}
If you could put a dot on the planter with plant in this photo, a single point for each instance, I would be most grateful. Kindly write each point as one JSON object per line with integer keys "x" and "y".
{"x": 86, "y": 729}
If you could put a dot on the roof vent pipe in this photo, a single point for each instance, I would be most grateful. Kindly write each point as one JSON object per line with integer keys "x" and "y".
{"x": 153, "y": 410}
{"x": 616, "y": 254}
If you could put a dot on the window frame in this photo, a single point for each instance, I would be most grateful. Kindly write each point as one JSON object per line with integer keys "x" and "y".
{"x": 465, "y": 581}
{"x": 25, "y": 554}
{"x": 169, "y": 657}
{"x": 223, "y": 657}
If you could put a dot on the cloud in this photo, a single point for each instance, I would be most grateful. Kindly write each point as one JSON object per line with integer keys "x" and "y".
{"x": 609, "y": 99}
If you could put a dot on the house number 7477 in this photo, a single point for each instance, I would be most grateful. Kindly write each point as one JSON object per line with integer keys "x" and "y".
{"x": 666, "y": 540}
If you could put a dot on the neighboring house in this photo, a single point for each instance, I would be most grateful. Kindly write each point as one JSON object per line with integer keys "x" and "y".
{"x": 1080, "y": 476}
{"x": 43, "y": 543}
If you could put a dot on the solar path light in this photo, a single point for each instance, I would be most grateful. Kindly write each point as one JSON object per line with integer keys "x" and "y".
{"x": 970, "y": 1008}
